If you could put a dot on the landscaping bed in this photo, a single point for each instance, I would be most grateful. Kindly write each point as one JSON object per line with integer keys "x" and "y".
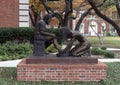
{"x": 11, "y": 51}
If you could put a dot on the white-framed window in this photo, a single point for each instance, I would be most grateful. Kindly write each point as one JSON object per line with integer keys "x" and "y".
{"x": 103, "y": 27}
{"x": 24, "y": 1}
{"x": 93, "y": 28}
{"x": 81, "y": 29}
{"x": 23, "y": 13}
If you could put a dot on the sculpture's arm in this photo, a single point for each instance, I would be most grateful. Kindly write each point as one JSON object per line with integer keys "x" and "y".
{"x": 69, "y": 45}
{"x": 54, "y": 39}
{"x": 56, "y": 45}
{"x": 47, "y": 34}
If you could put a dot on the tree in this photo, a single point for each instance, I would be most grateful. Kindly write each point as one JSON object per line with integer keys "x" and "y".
{"x": 35, "y": 9}
{"x": 65, "y": 13}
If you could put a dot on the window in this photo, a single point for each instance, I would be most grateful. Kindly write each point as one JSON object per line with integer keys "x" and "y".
{"x": 81, "y": 29}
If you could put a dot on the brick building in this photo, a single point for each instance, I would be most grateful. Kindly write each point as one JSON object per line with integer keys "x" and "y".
{"x": 14, "y": 13}
{"x": 91, "y": 25}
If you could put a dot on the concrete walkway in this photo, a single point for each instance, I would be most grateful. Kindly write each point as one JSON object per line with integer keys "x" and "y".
{"x": 13, "y": 63}
{"x": 113, "y": 49}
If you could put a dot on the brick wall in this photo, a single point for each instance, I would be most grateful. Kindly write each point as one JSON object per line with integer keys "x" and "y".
{"x": 9, "y": 10}
{"x": 61, "y": 72}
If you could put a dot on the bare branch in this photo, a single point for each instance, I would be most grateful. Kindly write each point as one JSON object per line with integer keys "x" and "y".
{"x": 48, "y": 9}
{"x": 105, "y": 17}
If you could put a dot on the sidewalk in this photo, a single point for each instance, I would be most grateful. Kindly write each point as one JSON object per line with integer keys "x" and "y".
{"x": 13, "y": 63}
{"x": 113, "y": 49}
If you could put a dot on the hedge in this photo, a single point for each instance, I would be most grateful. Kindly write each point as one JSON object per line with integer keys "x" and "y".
{"x": 99, "y": 51}
{"x": 24, "y": 33}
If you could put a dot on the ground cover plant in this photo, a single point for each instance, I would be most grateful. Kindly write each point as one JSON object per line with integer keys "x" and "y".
{"x": 8, "y": 77}
{"x": 11, "y": 51}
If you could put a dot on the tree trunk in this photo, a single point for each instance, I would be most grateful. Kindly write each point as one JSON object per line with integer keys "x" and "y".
{"x": 81, "y": 19}
{"x": 68, "y": 10}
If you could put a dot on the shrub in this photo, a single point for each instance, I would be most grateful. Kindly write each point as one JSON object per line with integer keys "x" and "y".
{"x": 99, "y": 51}
{"x": 109, "y": 54}
{"x": 103, "y": 48}
{"x": 108, "y": 34}
{"x": 96, "y": 51}
{"x": 10, "y": 51}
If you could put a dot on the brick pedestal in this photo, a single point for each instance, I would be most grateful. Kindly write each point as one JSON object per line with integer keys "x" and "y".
{"x": 61, "y": 72}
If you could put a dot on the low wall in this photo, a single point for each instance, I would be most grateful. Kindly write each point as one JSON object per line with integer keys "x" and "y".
{"x": 61, "y": 72}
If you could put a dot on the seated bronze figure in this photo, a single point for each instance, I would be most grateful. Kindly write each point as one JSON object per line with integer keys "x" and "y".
{"x": 43, "y": 39}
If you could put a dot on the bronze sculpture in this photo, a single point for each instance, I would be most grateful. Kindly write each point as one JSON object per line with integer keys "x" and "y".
{"x": 43, "y": 39}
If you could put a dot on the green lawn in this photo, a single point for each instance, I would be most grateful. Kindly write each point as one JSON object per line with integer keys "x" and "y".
{"x": 8, "y": 77}
{"x": 108, "y": 41}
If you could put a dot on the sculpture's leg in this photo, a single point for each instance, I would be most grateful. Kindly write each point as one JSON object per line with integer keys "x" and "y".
{"x": 48, "y": 41}
{"x": 84, "y": 53}
{"x": 66, "y": 52}
{"x": 75, "y": 48}
{"x": 81, "y": 49}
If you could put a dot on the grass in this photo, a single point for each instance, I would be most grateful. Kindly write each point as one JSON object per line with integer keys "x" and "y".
{"x": 108, "y": 41}
{"x": 8, "y": 77}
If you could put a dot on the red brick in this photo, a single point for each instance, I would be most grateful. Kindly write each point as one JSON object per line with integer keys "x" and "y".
{"x": 51, "y": 72}
{"x": 9, "y": 13}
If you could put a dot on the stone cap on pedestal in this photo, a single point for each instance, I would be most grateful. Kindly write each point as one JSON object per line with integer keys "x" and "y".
{"x": 52, "y": 59}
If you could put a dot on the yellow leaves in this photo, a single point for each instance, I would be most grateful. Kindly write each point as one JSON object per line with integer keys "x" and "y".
{"x": 109, "y": 10}
{"x": 112, "y": 8}
{"x": 97, "y": 1}
{"x": 37, "y": 5}
{"x": 58, "y": 5}
{"x": 54, "y": 21}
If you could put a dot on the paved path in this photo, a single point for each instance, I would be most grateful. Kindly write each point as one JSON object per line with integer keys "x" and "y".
{"x": 13, "y": 63}
{"x": 113, "y": 49}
